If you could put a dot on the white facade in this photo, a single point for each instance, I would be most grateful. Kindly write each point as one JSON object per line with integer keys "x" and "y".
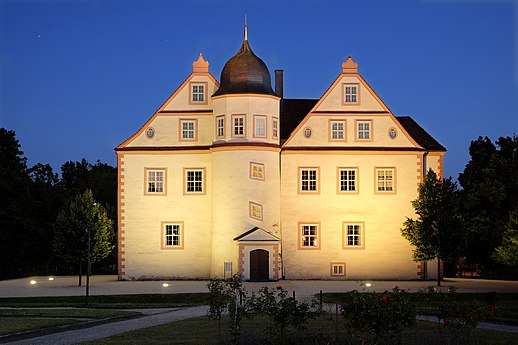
{"x": 213, "y": 185}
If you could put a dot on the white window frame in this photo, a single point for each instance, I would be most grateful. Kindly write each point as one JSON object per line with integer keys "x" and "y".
{"x": 275, "y": 128}
{"x": 337, "y": 130}
{"x": 194, "y": 181}
{"x": 337, "y": 269}
{"x": 353, "y": 235}
{"x": 351, "y": 93}
{"x": 385, "y": 180}
{"x": 309, "y": 180}
{"x": 198, "y": 93}
{"x": 346, "y": 184}
{"x": 220, "y": 126}
{"x": 364, "y": 130}
{"x": 172, "y": 235}
{"x": 238, "y": 126}
{"x": 188, "y": 129}
{"x": 260, "y": 126}
{"x": 309, "y": 235}
{"x": 155, "y": 181}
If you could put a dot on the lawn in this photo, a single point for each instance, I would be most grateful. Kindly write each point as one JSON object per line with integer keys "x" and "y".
{"x": 23, "y": 320}
{"x": 110, "y": 301}
{"x": 324, "y": 330}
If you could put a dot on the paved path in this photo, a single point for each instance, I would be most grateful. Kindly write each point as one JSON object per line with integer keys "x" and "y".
{"x": 109, "y": 329}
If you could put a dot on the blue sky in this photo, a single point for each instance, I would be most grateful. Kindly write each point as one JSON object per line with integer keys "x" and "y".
{"x": 78, "y": 77}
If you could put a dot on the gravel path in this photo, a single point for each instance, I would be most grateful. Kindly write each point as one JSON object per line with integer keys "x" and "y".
{"x": 109, "y": 329}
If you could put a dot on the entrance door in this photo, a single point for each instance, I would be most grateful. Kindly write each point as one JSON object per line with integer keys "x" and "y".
{"x": 259, "y": 262}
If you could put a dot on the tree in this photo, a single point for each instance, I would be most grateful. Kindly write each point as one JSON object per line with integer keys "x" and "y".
{"x": 507, "y": 252}
{"x": 71, "y": 231}
{"x": 489, "y": 193}
{"x": 14, "y": 184}
{"x": 437, "y": 233}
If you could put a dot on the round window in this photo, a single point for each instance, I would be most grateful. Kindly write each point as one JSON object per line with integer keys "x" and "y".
{"x": 150, "y": 132}
{"x": 392, "y": 133}
{"x": 307, "y": 132}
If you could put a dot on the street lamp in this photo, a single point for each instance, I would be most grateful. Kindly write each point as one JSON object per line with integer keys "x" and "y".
{"x": 89, "y": 227}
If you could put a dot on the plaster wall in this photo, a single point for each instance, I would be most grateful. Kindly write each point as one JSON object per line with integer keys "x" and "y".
{"x": 144, "y": 214}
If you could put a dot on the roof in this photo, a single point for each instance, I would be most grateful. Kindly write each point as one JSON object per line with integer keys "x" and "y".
{"x": 245, "y": 73}
{"x": 419, "y": 134}
{"x": 292, "y": 113}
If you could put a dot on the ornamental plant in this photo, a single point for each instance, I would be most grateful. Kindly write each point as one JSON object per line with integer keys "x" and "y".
{"x": 284, "y": 312}
{"x": 372, "y": 317}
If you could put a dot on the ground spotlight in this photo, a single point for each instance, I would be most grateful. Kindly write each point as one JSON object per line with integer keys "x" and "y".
{"x": 33, "y": 282}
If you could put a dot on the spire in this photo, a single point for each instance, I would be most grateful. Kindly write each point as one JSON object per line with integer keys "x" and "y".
{"x": 246, "y": 30}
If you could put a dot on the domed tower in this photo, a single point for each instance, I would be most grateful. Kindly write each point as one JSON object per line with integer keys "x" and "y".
{"x": 245, "y": 170}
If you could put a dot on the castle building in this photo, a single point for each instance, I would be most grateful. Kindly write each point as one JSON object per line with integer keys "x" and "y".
{"x": 231, "y": 177}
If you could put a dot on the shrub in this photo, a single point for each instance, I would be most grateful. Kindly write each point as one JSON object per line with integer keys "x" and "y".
{"x": 372, "y": 316}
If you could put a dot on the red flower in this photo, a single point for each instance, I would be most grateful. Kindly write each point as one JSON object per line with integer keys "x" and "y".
{"x": 385, "y": 298}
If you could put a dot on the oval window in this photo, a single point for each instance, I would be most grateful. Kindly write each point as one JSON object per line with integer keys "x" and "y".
{"x": 307, "y": 132}
{"x": 392, "y": 133}
{"x": 150, "y": 132}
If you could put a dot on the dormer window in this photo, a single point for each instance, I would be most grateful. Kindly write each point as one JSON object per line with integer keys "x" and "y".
{"x": 351, "y": 94}
{"x": 198, "y": 93}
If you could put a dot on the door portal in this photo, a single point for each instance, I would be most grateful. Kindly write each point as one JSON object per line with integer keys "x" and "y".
{"x": 259, "y": 265}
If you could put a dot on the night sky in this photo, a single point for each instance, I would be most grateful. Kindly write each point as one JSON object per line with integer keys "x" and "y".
{"x": 78, "y": 77}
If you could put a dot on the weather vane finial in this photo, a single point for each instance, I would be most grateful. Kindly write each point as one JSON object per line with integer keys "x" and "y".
{"x": 246, "y": 30}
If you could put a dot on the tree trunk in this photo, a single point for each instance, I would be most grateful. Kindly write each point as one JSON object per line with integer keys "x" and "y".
{"x": 438, "y": 272}
{"x": 80, "y": 272}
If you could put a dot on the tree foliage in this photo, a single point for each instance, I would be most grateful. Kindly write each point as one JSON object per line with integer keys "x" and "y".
{"x": 71, "y": 230}
{"x": 30, "y": 199}
{"x": 437, "y": 232}
{"x": 489, "y": 195}
{"x": 507, "y": 252}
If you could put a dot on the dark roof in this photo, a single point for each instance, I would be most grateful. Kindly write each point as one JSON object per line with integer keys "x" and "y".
{"x": 292, "y": 113}
{"x": 245, "y": 72}
{"x": 419, "y": 134}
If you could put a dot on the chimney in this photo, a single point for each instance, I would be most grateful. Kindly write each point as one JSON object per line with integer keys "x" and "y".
{"x": 279, "y": 87}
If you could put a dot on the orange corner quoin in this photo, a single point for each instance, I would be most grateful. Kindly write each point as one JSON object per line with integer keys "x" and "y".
{"x": 200, "y": 66}
{"x": 349, "y": 66}
{"x": 231, "y": 176}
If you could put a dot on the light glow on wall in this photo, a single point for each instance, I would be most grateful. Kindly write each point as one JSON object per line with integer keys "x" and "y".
{"x": 33, "y": 282}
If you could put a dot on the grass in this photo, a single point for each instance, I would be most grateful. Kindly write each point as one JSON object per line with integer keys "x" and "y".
{"x": 23, "y": 320}
{"x": 324, "y": 330}
{"x": 110, "y": 301}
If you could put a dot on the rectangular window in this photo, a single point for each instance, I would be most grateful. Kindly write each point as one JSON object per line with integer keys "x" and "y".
{"x": 351, "y": 95}
{"x": 259, "y": 126}
{"x": 172, "y": 235}
{"x": 256, "y": 210}
{"x": 220, "y": 126}
{"x": 256, "y": 171}
{"x": 338, "y": 269}
{"x": 308, "y": 180}
{"x": 194, "y": 181}
{"x": 275, "y": 128}
{"x": 347, "y": 180}
{"x": 198, "y": 93}
{"x": 336, "y": 130}
{"x": 386, "y": 180}
{"x": 364, "y": 130}
{"x": 353, "y": 235}
{"x": 309, "y": 236}
{"x": 155, "y": 181}
{"x": 238, "y": 125}
{"x": 188, "y": 130}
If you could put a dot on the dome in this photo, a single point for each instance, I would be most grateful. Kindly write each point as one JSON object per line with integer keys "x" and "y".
{"x": 245, "y": 72}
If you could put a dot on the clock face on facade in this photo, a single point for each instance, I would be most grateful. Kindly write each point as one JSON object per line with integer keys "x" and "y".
{"x": 392, "y": 133}
{"x": 307, "y": 132}
{"x": 150, "y": 132}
